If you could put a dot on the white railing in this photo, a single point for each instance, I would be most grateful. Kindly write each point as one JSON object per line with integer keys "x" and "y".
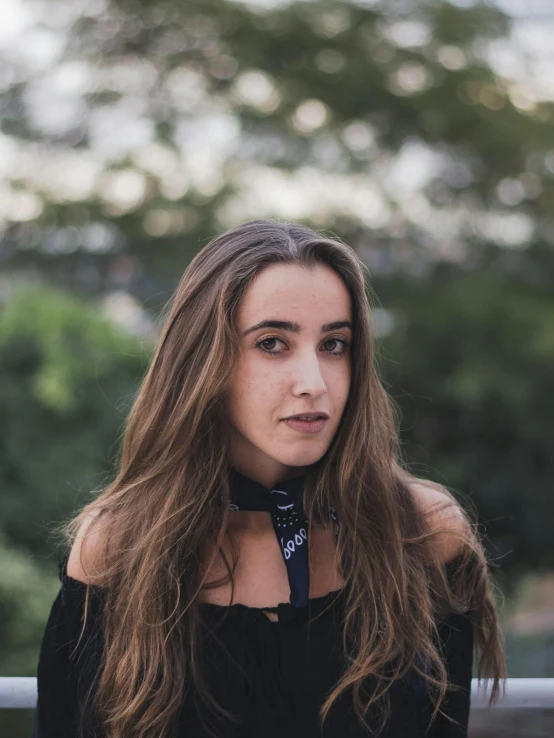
{"x": 21, "y": 693}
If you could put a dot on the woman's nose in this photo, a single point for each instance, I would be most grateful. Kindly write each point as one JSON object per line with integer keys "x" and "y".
{"x": 308, "y": 377}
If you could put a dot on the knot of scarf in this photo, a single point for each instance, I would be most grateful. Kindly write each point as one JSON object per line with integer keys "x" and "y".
{"x": 284, "y": 503}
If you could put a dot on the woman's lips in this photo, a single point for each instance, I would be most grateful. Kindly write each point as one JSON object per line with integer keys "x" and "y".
{"x": 306, "y": 426}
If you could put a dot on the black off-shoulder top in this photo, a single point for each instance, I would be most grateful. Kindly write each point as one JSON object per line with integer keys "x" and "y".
{"x": 274, "y": 674}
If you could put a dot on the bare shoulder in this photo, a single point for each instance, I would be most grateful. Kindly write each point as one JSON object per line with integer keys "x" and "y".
{"x": 444, "y": 512}
{"x": 85, "y": 558}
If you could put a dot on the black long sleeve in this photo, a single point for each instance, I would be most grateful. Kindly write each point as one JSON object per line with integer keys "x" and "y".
{"x": 63, "y": 677}
{"x": 456, "y": 639}
{"x": 456, "y": 644}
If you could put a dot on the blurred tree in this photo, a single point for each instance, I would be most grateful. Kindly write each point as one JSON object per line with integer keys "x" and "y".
{"x": 66, "y": 376}
{"x": 470, "y": 364}
{"x": 162, "y": 122}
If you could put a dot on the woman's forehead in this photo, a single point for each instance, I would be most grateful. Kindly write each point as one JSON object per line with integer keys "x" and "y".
{"x": 289, "y": 288}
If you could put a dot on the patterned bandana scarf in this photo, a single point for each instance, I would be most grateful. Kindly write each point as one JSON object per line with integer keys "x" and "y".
{"x": 284, "y": 502}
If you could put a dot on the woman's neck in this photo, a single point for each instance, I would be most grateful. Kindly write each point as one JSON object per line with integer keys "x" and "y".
{"x": 269, "y": 477}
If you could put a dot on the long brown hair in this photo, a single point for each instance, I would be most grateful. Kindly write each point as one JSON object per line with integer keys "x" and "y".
{"x": 165, "y": 504}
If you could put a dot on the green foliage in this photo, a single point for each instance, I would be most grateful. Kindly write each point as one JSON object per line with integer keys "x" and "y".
{"x": 74, "y": 344}
{"x": 470, "y": 365}
{"x": 67, "y": 375}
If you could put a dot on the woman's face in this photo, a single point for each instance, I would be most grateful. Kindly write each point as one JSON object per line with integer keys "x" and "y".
{"x": 286, "y": 370}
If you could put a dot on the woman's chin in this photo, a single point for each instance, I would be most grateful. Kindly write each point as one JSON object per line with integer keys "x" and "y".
{"x": 301, "y": 457}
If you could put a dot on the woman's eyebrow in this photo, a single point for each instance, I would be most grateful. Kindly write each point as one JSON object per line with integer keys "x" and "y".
{"x": 286, "y": 325}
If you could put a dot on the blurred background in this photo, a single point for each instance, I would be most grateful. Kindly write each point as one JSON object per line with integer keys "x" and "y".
{"x": 418, "y": 131}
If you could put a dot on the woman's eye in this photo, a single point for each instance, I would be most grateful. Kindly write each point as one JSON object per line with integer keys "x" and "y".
{"x": 272, "y": 339}
{"x": 260, "y": 344}
{"x": 345, "y": 345}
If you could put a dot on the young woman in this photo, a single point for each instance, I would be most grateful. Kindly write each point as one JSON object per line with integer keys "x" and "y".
{"x": 263, "y": 564}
